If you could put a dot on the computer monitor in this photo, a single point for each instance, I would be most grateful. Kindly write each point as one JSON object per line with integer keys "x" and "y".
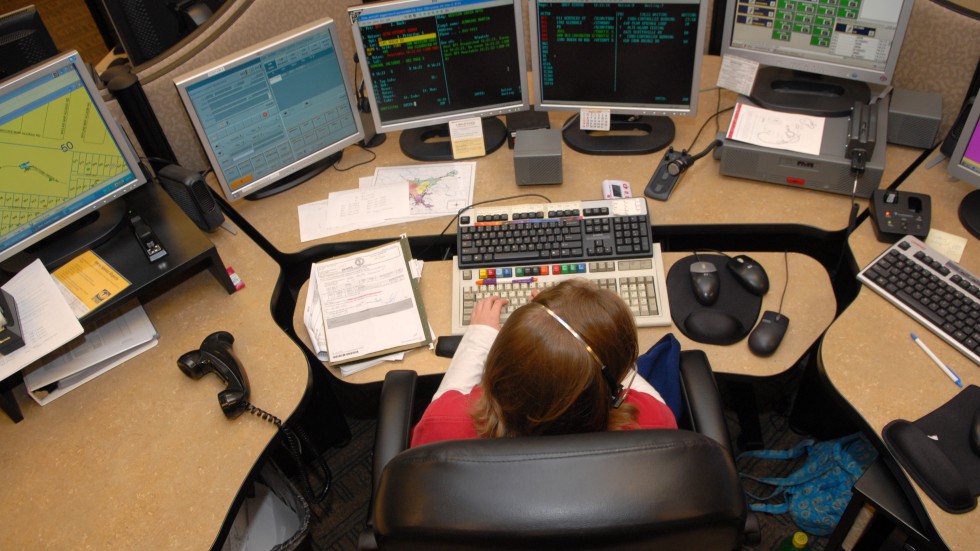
{"x": 639, "y": 59}
{"x": 24, "y": 41}
{"x": 818, "y": 56}
{"x": 64, "y": 157}
{"x": 964, "y": 164}
{"x": 429, "y": 62}
{"x": 272, "y": 116}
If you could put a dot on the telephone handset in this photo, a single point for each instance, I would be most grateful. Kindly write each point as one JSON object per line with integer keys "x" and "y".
{"x": 216, "y": 356}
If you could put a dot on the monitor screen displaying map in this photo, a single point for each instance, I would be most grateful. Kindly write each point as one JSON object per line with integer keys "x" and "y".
{"x": 62, "y": 155}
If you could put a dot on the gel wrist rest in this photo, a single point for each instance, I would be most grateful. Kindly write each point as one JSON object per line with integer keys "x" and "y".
{"x": 929, "y": 466}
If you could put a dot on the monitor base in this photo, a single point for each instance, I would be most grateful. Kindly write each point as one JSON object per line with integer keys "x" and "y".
{"x": 628, "y": 135}
{"x": 431, "y": 143}
{"x": 969, "y": 212}
{"x": 807, "y": 93}
{"x": 58, "y": 248}
{"x": 296, "y": 178}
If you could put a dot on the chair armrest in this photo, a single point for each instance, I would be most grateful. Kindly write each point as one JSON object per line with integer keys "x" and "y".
{"x": 702, "y": 398}
{"x": 394, "y": 419}
{"x": 708, "y": 418}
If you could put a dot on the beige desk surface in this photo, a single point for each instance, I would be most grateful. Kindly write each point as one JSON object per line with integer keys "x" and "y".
{"x": 870, "y": 359}
{"x": 809, "y": 304}
{"x": 142, "y": 457}
{"x": 702, "y": 195}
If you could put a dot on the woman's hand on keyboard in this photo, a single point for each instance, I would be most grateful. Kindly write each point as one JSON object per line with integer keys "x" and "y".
{"x": 487, "y": 311}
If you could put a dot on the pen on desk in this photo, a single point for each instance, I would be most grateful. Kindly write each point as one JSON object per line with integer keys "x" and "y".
{"x": 938, "y": 362}
{"x": 487, "y": 281}
{"x": 525, "y": 280}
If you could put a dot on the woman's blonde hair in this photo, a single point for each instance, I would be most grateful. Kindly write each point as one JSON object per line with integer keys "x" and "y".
{"x": 539, "y": 379}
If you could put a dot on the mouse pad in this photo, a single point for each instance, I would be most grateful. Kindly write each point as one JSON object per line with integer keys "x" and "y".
{"x": 950, "y": 425}
{"x": 727, "y": 321}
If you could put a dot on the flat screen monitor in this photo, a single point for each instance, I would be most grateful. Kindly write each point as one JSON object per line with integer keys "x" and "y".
{"x": 63, "y": 155}
{"x": 964, "y": 164}
{"x": 429, "y": 62}
{"x": 273, "y": 115}
{"x": 640, "y": 59}
{"x": 818, "y": 55}
{"x": 24, "y": 41}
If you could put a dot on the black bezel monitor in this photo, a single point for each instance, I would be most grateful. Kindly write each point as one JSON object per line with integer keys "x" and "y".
{"x": 964, "y": 164}
{"x": 273, "y": 115}
{"x": 637, "y": 58}
{"x": 24, "y": 41}
{"x": 818, "y": 57}
{"x": 428, "y": 62}
{"x": 64, "y": 156}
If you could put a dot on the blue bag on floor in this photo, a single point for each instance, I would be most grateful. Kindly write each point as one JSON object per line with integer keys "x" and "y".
{"x": 817, "y": 493}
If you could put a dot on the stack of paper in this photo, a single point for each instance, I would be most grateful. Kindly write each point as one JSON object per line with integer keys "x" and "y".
{"x": 393, "y": 195}
{"x": 365, "y": 307}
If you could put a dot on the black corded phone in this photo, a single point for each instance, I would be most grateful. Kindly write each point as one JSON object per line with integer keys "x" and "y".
{"x": 216, "y": 356}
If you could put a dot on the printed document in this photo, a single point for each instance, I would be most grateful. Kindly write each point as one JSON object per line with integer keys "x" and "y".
{"x": 47, "y": 320}
{"x": 369, "y": 305}
{"x": 776, "y": 130}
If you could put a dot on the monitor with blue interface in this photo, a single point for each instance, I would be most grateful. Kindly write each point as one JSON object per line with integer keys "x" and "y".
{"x": 429, "y": 62}
{"x": 964, "y": 164}
{"x": 818, "y": 55}
{"x": 62, "y": 157}
{"x": 272, "y": 116}
{"x": 640, "y": 60}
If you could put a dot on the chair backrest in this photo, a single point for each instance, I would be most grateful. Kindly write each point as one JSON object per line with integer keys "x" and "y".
{"x": 648, "y": 489}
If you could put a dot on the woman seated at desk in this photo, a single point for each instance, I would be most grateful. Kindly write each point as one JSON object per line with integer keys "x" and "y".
{"x": 563, "y": 363}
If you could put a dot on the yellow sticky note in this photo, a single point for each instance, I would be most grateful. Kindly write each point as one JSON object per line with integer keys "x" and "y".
{"x": 467, "y": 138}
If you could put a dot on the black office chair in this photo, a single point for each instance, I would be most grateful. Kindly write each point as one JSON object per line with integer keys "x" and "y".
{"x": 644, "y": 489}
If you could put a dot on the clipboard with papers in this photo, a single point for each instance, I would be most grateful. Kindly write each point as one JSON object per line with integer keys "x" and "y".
{"x": 365, "y": 305}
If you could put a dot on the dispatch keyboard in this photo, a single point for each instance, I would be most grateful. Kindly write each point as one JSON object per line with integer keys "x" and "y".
{"x": 510, "y": 251}
{"x": 937, "y": 292}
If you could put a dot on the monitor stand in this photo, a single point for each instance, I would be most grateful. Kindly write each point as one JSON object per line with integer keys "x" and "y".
{"x": 431, "y": 143}
{"x": 807, "y": 93}
{"x": 296, "y": 178}
{"x": 970, "y": 213}
{"x": 628, "y": 135}
{"x": 58, "y": 248}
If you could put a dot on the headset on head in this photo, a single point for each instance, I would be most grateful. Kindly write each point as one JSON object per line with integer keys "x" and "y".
{"x": 617, "y": 391}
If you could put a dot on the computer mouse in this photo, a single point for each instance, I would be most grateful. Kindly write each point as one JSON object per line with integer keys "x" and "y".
{"x": 765, "y": 338}
{"x": 705, "y": 282}
{"x": 975, "y": 432}
{"x": 750, "y": 274}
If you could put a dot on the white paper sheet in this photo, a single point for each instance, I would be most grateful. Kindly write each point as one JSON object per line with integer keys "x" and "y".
{"x": 776, "y": 130}
{"x": 46, "y": 319}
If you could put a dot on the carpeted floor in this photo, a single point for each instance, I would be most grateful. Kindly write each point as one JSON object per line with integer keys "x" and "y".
{"x": 338, "y": 520}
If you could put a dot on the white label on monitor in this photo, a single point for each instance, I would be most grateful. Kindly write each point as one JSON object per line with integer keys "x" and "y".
{"x": 467, "y": 138}
{"x": 737, "y": 74}
{"x": 594, "y": 119}
{"x": 217, "y": 71}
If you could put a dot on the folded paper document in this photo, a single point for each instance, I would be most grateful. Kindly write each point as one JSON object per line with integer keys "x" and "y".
{"x": 365, "y": 305}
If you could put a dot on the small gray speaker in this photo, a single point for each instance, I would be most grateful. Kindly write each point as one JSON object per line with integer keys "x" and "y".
{"x": 914, "y": 118}
{"x": 537, "y": 157}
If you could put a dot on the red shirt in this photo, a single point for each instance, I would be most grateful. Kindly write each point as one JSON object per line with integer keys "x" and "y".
{"x": 448, "y": 417}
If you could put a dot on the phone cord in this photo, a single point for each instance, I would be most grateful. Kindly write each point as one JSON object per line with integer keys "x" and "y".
{"x": 294, "y": 445}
